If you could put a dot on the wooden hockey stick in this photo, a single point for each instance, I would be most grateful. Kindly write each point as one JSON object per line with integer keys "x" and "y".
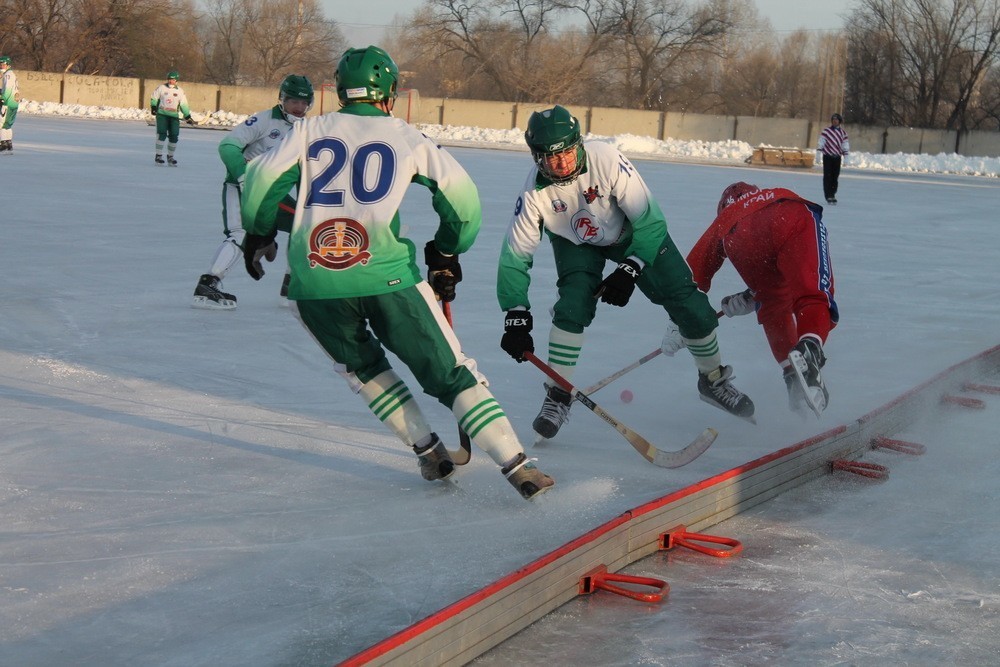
{"x": 656, "y": 456}
{"x": 463, "y": 454}
{"x": 600, "y": 384}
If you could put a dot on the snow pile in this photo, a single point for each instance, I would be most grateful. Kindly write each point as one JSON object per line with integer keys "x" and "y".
{"x": 630, "y": 144}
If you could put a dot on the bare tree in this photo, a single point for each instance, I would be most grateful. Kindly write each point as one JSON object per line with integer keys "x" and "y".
{"x": 501, "y": 49}
{"x": 32, "y": 29}
{"x": 930, "y": 57}
{"x": 652, "y": 36}
{"x": 257, "y": 42}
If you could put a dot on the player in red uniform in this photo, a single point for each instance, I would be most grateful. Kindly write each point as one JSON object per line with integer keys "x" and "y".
{"x": 778, "y": 244}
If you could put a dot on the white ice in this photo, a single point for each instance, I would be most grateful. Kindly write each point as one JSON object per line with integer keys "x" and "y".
{"x": 183, "y": 487}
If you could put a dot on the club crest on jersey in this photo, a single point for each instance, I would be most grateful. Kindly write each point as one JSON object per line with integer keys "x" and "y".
{"x": 274, "y": 134}
{"x": 585, "y": 229}
{"x": 338, "y": 244}
{"x": 558, "y": 205}
{"x": 591, "y": 193}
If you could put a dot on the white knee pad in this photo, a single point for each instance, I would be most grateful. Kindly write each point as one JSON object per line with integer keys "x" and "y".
{"x": 482, "y": 418}
{"x": 226, "y": 256}
{"x": 390, "y": 400}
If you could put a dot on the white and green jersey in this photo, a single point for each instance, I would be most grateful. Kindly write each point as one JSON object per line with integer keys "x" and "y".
{"x": 255, "y": 136}
{"x": 352, "y": 169}
{"x": 170, "y": 101}
{"x": 607, "y": 204}
{"x": 9, "y": 94}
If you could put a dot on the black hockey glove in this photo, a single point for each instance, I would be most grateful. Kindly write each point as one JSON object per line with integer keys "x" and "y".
{"x": 256, "y": 248}
{"x": 443, "y": 272}
{"x": 153, "y": 109}
{"x": 190, "y": 121}
{"x": 517, "y": 334}
{"x": 617, "y": 288}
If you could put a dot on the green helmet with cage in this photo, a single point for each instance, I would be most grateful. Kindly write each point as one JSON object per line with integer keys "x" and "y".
{"x": 366, "y": 75}
{"x": 553, "y": 131}
{"x": 5, "y": 60}
{"x": 173, "y": 74}
{"x": 299, "y": 88}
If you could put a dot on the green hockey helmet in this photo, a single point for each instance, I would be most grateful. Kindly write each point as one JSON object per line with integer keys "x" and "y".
{"x": 298, "y": 88}
{"x": 551, "y": 132}
{"x": 366, "y": 75}
{"x": 173, "y": 74}
{"x": 5, "y": 60}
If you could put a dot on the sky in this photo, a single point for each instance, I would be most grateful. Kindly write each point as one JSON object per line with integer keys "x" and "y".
{"x": 366, "y": 21}
{"x": 185, "y": 487}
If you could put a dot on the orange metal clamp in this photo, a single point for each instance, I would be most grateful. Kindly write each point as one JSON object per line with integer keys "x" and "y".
{"x": 599, "y": 577}
{"x": 678, "y": 536}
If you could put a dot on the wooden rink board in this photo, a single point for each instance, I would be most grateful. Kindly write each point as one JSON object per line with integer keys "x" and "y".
{"x": 464, "y": 630}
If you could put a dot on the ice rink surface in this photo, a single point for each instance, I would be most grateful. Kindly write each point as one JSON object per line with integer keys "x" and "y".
{"x": 184, "y": 487}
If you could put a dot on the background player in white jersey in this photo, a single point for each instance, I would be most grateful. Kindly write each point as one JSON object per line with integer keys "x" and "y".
{"x": 594, "y": 207}
{"x": 9, "y": 101}
{"x": 168, "y": 104}
{"x": 355, "y": 282}
{"x": 255, "y": 136}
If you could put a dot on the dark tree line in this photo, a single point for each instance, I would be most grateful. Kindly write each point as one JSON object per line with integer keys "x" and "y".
{"x": 923, "y": 63}
{"x": 240, "y": 42}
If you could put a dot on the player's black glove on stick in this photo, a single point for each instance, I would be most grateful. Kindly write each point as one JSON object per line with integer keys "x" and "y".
{"x": 517, "y": 334}
{"x": 443, "y": 272}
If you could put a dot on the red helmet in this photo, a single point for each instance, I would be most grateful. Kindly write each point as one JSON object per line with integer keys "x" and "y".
{"x": 734, "y": 192}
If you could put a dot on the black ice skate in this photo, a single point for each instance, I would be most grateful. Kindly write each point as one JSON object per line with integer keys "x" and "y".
{"x": 158, "y": 159}
{"x": 435, "y": 463}
{"x": 807, "y": 358}
{"x": 171, "y": 161}
{"x": 208, "y": 294}
{"x": 526, "y": 478}
{"x": 554, "y": 412}
{"x": 717, "y": 389}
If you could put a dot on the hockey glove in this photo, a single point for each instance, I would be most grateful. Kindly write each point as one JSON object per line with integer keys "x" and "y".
{"x": 672, "y": 342}
{"x": 153, "y": 109}
{"x": 517, "y": 334}
{"x": 617, "y": 288}
{"x": 742, "y": 303}
{"x": 190, "y": 121}
{"x": 443, "y": 272}
{"x": 256, "y": 248}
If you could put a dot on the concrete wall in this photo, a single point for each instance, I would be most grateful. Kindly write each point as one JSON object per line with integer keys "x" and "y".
{"x": 110, "y": 91}
{"x": 40, "y": 86}
{"x": 864, "y": 138}
{"x": 916, "y": 140}
{"x": 246, "y": 100}
{"x": 609, "y": 122}
{"x": 977, "y": 143}
{"x": 698, "y": 127}
{"x": 785, "y": 132}
{"x": 477, "y": 113}
{"x": 780, "y": 132}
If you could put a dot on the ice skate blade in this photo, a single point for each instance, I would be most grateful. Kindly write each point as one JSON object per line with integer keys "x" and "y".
{"x": 204, "y": 303}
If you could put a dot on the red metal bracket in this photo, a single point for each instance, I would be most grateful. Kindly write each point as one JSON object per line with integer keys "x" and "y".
{"x": 984, "y": 388}
{"x": 873, "y": 470}
{"x": 964, "y": 401}
{"x": 599, "y": 578}
{"x": 904, "y": 446}
{"x": 679, "y": 537}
